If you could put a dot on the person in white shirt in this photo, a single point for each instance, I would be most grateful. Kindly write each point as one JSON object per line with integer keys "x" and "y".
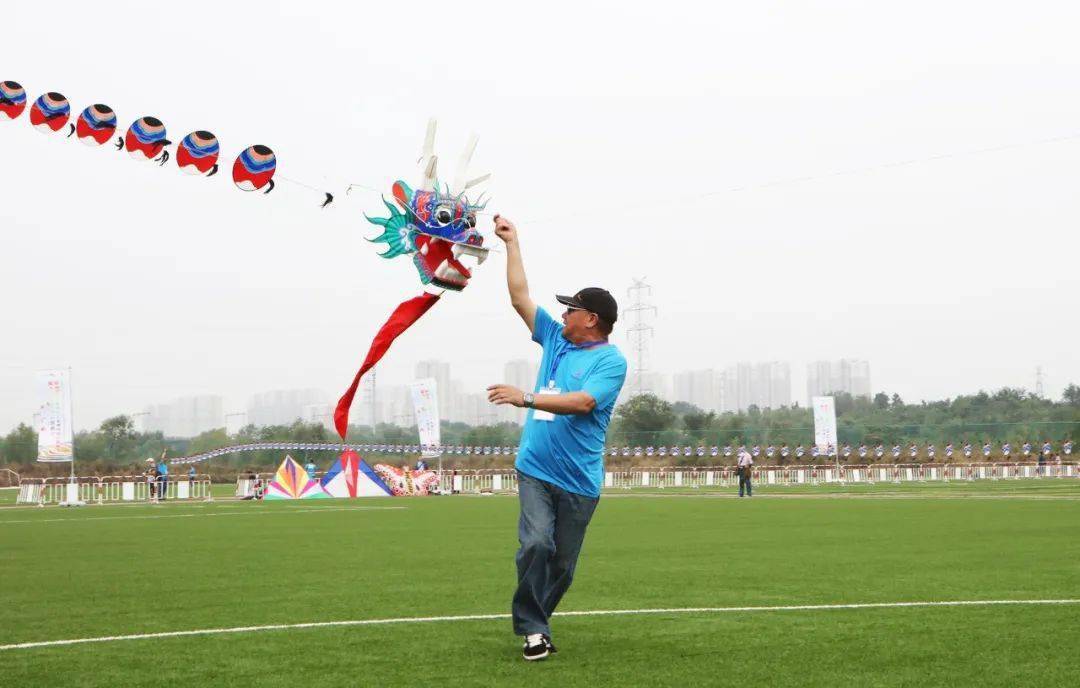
{"x": 746, "y": 463}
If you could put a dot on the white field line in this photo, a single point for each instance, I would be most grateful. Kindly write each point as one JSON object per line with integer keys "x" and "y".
{"x": 494, "y": 617}
{"x": 261, "y": 512}
{"x": 936, "y": 496}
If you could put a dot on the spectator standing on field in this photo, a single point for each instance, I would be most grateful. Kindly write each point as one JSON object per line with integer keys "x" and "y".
{"x": 151, "y": 479}
{"x": 746, "y": 465}
{"x": 163, "y": 477}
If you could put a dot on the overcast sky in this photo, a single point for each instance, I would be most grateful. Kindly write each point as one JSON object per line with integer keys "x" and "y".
{"x": 625, "y": 141}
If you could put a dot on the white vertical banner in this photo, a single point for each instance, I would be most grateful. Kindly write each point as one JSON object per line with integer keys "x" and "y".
{"x": 53, "y": 417}
{"x": 425, "y": 398}
{"x": 825, "y": 424}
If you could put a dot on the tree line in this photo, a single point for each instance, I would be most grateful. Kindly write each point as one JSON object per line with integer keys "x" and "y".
{"x": 1009, "y": 414}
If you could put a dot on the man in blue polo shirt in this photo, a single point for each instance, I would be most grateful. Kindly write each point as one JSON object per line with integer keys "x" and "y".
{"x": 560, "y": 462}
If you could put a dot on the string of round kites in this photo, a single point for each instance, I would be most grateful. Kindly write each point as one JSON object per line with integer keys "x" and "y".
{"x": 145, "y": 139}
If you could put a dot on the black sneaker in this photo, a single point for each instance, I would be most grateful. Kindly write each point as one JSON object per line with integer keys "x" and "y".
{"x": 536, "y": 647}
{"x": 550, "y": 646}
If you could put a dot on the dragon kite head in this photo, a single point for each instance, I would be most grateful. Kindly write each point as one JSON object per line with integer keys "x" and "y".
{"x": 437, "y": 227}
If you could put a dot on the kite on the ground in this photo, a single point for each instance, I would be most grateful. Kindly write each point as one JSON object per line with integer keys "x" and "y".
{"x": 198, "y": 153}
{"x": 12, "y": 99}
{"x": 50, "y": 112}
{"x": 407, "y": 483}
{"x": 438, "y": 229}
{"x": 95, "y": 125}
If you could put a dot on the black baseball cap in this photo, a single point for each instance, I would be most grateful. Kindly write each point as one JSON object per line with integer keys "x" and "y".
{"x": 594, "y": 300}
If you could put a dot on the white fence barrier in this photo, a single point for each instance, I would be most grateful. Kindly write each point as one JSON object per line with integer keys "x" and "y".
{"x": 108, "y": 489}
{"x": 114, "y": 488}
{"x": 504, "y": 480}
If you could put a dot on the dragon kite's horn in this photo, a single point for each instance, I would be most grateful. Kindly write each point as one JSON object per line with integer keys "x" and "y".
{"x": 427, "y": 158}
{"x": 479, "y": 180}
{"x": 429, "y": 141}
{"x": 429, "y": 174}
{"x": 463, "y": 165}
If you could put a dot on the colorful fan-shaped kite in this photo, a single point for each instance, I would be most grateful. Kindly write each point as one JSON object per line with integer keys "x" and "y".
{"x": 12, "y": 99}
{"x": 145, "y": 140}
{"x": 292, "y": 482}
{"x": 198, "y": 153}
{"x": 254, "y": 168}
{"x": 95, "y": 125}
{"x": 50, "y": 112}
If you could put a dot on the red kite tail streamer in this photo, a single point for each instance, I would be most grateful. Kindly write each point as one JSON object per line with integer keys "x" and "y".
{"x": 403, "y": 317}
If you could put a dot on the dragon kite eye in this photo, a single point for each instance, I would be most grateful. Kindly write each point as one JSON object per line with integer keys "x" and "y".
{"x": 472, "y": 221}
{"x": 443, "y": 216}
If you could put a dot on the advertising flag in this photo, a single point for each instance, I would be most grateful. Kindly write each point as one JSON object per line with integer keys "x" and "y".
{"x": 53, "y": 417}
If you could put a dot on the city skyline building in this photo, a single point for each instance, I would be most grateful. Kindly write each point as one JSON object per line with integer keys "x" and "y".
{"x": 702, "y": 388}
{"x": 849, "y": 375}
{"x": 283, "y": 406}
{"x": 185, "y": 416}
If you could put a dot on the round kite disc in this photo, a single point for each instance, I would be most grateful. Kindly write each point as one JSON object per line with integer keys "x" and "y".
{"x": 254, "y": 168}
{"x": 12, "y": 99}
{"x": 145, "y": 138}
{"x": 96, "y": 125}
{"x": 198, "y": 152}
{"x": 50, "y": 112}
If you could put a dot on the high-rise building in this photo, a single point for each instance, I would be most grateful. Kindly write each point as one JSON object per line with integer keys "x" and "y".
{"x": 321, "y": 414}
{"x": 520, "y": 373}
{"x": 456, "y": 412}
{"x": 764, "y": 385}
{"x": 649, "y": 382}
{"x": 439, "y": 370}
{"x": 396, "y": 406}
{"x": 738, "y": 387}
{"x": 185, "y": 417}
{"x": 771, "y": 384}
{"x": 282, "y": 407}
{"x": 702, "y": 388}
{"x": 848, "y": 375}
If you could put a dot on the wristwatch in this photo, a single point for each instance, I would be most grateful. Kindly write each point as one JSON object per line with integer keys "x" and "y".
{"x": 528, "y": 399}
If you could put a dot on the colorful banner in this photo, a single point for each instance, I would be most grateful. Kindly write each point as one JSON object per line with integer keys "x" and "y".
{"x": 425, "y": 398}
{"x": 56, "y": 440}
{"x": 825, "y": 424}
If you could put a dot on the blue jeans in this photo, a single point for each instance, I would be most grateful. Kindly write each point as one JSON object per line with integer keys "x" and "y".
{"x": 745, "y": 480}
{"x": 550, "y": 530}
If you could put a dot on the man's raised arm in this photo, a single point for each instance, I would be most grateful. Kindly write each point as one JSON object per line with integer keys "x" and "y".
{"x": 516, "y": 283}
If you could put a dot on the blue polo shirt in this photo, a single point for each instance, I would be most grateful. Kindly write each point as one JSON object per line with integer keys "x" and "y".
{"x": 569, "y": 450}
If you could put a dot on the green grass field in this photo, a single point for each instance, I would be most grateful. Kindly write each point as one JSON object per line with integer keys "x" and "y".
{"x": 121, "y": 570}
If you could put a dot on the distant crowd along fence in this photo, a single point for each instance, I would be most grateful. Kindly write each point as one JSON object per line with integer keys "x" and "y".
{"x": 500, "y": 480}
{"x": 113, "y": 488}
{"x": 798, "y": 453}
